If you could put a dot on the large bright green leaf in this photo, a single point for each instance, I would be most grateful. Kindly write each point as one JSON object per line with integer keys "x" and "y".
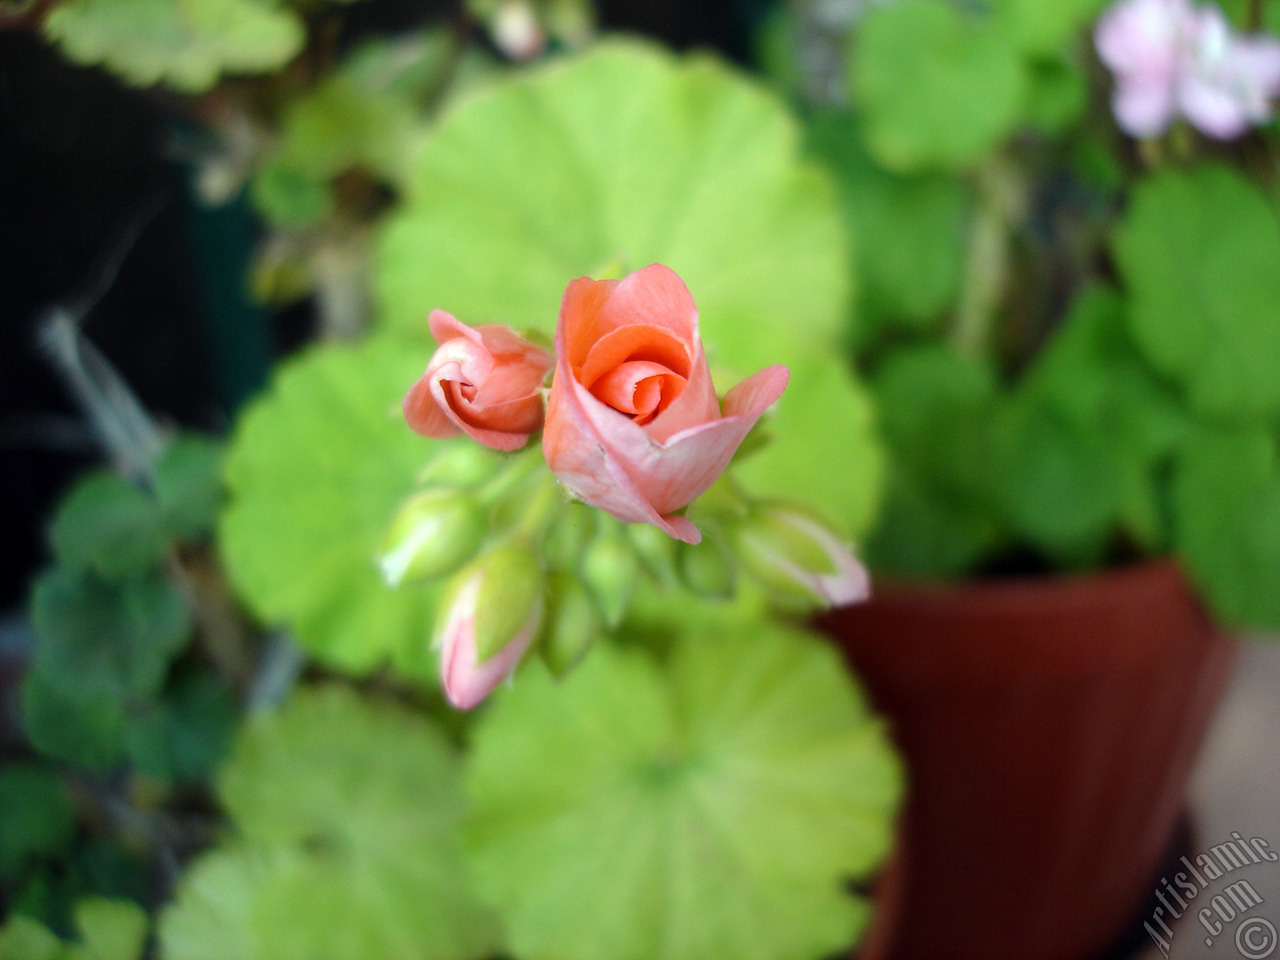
{"x": 185, "y": 44}
{"x": 628, "y": 156}
{"x": 710, "y": 808}
{"x": 824, "y": 419}
{"x": 316, "y": 470}
{"x": 348, "y": 812}
{"x": 1199, "y": 252}
{"x": 106, "y": 929}
{"x": 210, "y": 919}
{"x": 939, "y": 87}
{"x": 1226, "y": 500}
{"x": 624, "y": 155}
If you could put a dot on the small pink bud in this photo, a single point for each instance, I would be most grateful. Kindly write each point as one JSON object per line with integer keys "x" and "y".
{"x": 490, "y": 616}
{"x": 485, "y": 382}
{"x": 796, "y": 556}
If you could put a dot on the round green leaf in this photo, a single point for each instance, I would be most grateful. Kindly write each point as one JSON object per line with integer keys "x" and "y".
{"x": 935, "y": 409}
{"x": 710, "y": 808}
{"x": 183, "y": 737}
{"x": 359, "y": 804}
{"x": 925, "y": 533}
{"x": 625, "y": 155}
{"x": 316, "y": 471}
{"x": 628, "y": 156}
{"x": 110, "y": 930}
{"x": 67, "y": 724}
{"x": 1043, "y": 26}
{"x": 1199, "y": 252}
{"x": 938, "y": 87}
{"x": 186, "y": 45}
{"x": 38, "y": 818}
{"x": 1226, "y": 501}
{"x": 912, "y": 227}
{"x": 188, "y": 485}
{"x": 210, "y": 917}
{"x": 824, "y": 418}
{"x": 1057, "y": 481}
{"x": 108, "y": 526}
{"x": 22, "y": 938}
{"x": 104, "y": 638}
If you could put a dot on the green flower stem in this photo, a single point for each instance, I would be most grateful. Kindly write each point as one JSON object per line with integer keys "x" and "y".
{"x": 546, "y": 502}
{"x": 1000, "y": 206}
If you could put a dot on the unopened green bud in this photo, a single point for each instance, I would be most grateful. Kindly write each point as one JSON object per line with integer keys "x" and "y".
{"x": 461, "y": 463}
{"x": 435, "y": 533}
{"x": 610, "y": 569}
{"x": 707, "y": 569}
{"x": 797, "y": 557}
{"x": 572, "y": 624}
{"x": 510, "y": 593}
{"x": 657, "y": 551}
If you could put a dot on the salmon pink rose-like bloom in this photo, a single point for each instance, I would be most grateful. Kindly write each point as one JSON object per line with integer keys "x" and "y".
{"x": 633, "y": 424}
{"x": 485, "y": 382}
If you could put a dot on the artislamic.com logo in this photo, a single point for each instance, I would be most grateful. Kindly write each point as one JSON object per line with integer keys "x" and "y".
{"x": 1228, "y": 906}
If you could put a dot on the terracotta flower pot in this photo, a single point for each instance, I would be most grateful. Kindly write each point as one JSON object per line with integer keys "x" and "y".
{"x": 1049, "y": 727}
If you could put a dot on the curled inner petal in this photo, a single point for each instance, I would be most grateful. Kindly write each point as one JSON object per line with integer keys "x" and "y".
{"x": 642, "y": 389}
{"x": 638, "y": 342}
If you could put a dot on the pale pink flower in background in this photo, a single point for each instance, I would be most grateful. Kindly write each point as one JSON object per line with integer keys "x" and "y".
{"x": 485, "y": 382}
{"x": 1170, "y": 58}
{"x": 1229, "y": 81}
{"x": 633, "y": 424}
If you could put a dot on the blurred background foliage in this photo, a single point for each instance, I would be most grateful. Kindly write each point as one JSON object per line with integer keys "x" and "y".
{"x": 1020, "y": 341}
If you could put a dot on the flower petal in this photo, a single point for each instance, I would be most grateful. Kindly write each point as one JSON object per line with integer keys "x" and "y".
{"x": 654, "y": 296}
{"x": 577, "y": 454}
{"x": 1143, "y": 109}
{"x": 580, "y": 310}
{"x": 424, "y": 413}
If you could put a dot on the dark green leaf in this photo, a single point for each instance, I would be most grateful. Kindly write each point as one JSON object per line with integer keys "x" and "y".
{"x": 908, "y": 231}
{"x": 36, "y": 817}
{"x": 185, "y": 736}
{"x": 68, "y": 724}
{"x": 102, "y": 638}
{"x": 1200, "y": 255}
{"x": 188, "y": 485}
{"x": 1226, "y": 498}
{"x": 108, "y": 526}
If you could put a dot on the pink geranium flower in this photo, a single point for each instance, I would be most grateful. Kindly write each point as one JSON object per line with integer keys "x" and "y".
{"x": 633, "y": 423}
{"x": 1170, "y": 58}
{"x": 485, "y": 382}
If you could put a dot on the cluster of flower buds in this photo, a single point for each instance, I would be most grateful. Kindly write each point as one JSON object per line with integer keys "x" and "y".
{"x": 633, "y": 434}
{"x": 1171, "y": 58}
